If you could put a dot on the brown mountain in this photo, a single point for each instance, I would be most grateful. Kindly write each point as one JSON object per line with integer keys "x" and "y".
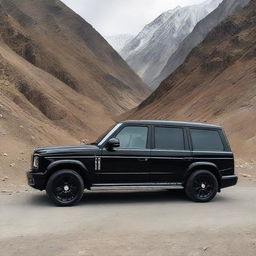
{"x": 203, "y": 27}
{"x": 216, "y": 83}
{"x": 60, "y": 81}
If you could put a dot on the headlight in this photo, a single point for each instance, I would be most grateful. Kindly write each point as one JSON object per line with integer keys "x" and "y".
{"x": 36, "y": 162}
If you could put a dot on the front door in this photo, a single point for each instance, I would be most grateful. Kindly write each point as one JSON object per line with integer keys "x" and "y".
{"x": 129, "y": 162}
{"x": 170, "y": 154}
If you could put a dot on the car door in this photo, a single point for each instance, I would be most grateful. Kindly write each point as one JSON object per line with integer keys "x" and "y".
{"x": 170, "y": 154}
{"x": 129, "y": 162}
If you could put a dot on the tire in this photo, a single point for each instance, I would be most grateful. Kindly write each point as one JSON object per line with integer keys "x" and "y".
{"x": 65, "y": 188}
{"x": 201, "y": 186}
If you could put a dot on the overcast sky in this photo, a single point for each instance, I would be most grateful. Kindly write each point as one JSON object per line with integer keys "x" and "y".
{"x": 112, "y": 17}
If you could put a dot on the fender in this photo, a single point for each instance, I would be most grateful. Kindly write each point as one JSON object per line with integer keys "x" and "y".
{"x": 203, "y": 165}
{"x": 81, "y": 168}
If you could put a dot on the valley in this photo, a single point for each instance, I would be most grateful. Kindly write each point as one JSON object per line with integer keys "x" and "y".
{"x": 61, "y": 83}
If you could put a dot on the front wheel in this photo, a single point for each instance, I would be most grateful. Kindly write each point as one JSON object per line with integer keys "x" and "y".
{"x": 65, "y": 187}
{"x": 202, "y": 186}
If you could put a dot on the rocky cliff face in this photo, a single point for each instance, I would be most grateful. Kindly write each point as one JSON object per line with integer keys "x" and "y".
{"x": 215, "y": 84}
{"x": 225, "y": 9}
{"x": 149, "y": 52}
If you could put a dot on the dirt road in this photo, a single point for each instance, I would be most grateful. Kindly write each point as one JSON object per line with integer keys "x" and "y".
{"x": 130, "y": 223}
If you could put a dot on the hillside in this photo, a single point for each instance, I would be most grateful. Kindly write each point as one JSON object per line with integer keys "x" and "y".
{"x": 150, "y": 50}
{"x": 60, "y": 81}
{"x": 215, "y": 84}
{"x": 225, "y": 9}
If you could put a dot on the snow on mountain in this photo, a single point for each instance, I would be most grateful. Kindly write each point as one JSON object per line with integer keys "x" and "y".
{"x": 225, "y": 9}
{"x": 119, "y": 41}
{"x": 150, "y": 50}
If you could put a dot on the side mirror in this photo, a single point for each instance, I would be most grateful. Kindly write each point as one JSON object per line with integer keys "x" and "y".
{"x": 113, "y": 143}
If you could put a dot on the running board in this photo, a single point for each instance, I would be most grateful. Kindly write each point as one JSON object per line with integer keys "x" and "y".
{"x": 143, "y": 186}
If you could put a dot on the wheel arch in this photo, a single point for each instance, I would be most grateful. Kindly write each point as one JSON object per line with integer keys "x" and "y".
{"x": 74, "y": 165}
{"x": 203, "y": 166}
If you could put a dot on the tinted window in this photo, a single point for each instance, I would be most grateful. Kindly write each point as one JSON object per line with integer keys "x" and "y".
{"x": 169, "y": 138}
{"x": 206, "y": 140}
{"x": 133, "y": 137}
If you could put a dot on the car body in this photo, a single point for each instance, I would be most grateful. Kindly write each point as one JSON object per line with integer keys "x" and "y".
{"x": 137, "y": 155}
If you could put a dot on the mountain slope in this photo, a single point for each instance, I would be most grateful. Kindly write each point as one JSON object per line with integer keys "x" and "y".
{"x": 148, "y": 53}
{"x": 119, "y": 41}
{"x": 60, "y": 81}
{"x": 71, "y": 50}
{"x": 216, "y": 83}
{"x": 225, "y": 9}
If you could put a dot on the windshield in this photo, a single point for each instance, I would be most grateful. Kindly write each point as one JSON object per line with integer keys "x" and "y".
{"x": 102, "y": 136}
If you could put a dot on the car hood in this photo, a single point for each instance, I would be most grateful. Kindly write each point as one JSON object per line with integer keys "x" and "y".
{"x": 68, "y": 150}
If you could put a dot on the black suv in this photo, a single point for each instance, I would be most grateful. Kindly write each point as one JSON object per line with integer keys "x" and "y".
{"x": 138, "y": 155}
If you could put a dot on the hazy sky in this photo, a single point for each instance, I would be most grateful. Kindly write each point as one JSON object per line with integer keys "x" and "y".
{"x": 111, "y": 17}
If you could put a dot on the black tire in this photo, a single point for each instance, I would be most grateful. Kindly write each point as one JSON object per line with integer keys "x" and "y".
{"x": 201, "y": 186}
{"x": 65, "y": 187}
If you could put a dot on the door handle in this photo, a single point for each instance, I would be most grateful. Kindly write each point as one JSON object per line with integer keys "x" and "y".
{"x": 143, "y": 159}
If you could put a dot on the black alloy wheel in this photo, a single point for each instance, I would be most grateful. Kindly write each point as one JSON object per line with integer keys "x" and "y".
{"x": 65, "y": 187}
{"x": 202, "y": 186}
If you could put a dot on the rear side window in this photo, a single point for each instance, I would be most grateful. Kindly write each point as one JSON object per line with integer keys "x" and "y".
{"x": 206, "y": 140}
{"x": 169, "y": 138}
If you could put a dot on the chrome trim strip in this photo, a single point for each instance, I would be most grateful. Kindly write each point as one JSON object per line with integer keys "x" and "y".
{"x": 228, "y": 169}
{"x": 68, "y": 157}
{"x": 139, "y": 184}
{"x": 228, "y": 177}
{"x": 220, "y": 152}
{"x": 214, "y": 158}
{"x": 152, "y": 157}
{"x": 133, "y": 149}
{"x": 139, "y": 157}
{"x": 135, "y": 173}
{"x": 168, "y": 158}
{"x": 170, "y": 150}
{"x": 96, "y": 164}
{"x": 135, "y": 186}
{"x": 99, "y": 163}
{"x": 151, "y": 149}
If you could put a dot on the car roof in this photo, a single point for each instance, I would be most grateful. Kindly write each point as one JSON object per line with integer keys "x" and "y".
{"x": 173, "y": 123}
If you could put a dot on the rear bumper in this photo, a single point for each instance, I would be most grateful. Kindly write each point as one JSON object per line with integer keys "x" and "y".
{"x": 36, "y": 180}
{"x": 228, "y": 181}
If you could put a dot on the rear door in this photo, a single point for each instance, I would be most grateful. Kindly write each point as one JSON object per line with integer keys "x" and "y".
{"x": 170, "y": 154}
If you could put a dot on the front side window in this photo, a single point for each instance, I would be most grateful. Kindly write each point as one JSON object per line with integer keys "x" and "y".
{"x": 169, "y": 138}
{"x": 133, "y": 137}
{"x": 206, "y": 140}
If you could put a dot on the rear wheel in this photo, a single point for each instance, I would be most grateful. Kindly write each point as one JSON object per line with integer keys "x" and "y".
{"x": 202, "y": 186}
{"x": 65, "y": 187}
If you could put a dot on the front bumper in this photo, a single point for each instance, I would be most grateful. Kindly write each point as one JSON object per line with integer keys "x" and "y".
{"x": 228, "y": 181}
{"x": 36, "y": 180}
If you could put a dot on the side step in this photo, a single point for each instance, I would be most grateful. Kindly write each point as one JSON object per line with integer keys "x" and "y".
{"x": 142, "y": 186}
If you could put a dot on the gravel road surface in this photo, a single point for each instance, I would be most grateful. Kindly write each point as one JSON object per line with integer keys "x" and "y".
{"x": 129, "y": 223}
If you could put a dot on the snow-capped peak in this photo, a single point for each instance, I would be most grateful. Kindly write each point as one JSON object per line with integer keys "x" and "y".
{"x": 119, "y": 41}
{"x": 149, "y": 51}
